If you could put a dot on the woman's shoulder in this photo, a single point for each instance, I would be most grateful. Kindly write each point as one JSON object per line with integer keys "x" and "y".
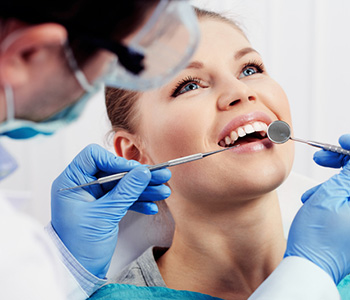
{"x": 143, "y": 271}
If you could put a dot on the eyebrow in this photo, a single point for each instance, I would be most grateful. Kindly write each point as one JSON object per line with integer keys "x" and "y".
{"x": 195, "y": 65}
{"x": 199, "y": 65}
{"x": 239, "y": 54}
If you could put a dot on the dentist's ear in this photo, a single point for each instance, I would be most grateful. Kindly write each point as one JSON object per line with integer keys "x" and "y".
{"x": 127, "y": 146}
{"x": 26, "y": 50}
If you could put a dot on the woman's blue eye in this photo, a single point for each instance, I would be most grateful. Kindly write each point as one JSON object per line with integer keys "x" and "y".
{"x": 252, "y": 68}
{"x": 186, "y": 85}
{"x": 249, "y": 71}
{"x": 189, "y": 87}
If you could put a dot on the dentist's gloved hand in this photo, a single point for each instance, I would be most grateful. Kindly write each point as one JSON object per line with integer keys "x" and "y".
{"x": 86, "y": 219}
{"x": 320, "y": 231}
{"x": 331, "y": 159}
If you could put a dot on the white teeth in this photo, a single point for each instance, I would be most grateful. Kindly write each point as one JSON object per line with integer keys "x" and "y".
{"x": 248, "y": 128}
{"x": 258, "y": 126}
{"x": 234, "y": 136}
{"x": 242, "y": 131}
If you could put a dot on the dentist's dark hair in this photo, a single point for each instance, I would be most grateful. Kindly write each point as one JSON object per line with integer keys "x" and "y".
{"x": 83, "y": 19}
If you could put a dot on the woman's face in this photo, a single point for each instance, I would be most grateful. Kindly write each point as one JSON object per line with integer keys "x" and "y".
{"x": 224, "y": 93}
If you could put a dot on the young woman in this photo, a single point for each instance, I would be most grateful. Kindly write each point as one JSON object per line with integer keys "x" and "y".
{"x": 228, "y": 235}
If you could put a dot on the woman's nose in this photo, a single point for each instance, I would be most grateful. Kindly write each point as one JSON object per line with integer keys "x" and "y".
{"x": 234, "y": 94}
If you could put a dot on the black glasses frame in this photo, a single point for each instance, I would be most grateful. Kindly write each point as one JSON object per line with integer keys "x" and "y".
{"x": 129, "y": 58}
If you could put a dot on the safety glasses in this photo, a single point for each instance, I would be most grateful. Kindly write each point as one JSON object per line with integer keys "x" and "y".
{"x": 162, "y": 47}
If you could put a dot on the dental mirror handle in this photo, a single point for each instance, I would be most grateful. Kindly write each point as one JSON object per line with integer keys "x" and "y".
{"x": 324, "y": 146}
{"x": 279, "y": 132}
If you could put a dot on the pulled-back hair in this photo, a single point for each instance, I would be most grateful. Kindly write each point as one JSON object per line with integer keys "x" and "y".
{"x": 121, "y": 103}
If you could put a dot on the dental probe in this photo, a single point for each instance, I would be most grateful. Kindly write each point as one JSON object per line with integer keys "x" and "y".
{"x": 279, "y": 132}
{"x": 170, "y": 163}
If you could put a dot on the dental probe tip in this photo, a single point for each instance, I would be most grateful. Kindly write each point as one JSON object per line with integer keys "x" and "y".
{"x": 220, "y": 150}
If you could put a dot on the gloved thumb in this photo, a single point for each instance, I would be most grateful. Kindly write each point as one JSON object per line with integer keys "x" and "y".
{"x": 344, "y": 141}
{"x": 309, "y": 193}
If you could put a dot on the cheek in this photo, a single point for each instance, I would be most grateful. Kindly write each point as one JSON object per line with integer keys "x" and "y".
{"x": 276, "y": 100}
{"x": 175, "y": 133}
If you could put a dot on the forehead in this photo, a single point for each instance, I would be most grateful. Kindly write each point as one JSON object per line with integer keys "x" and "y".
{"x": 221, "y": 36}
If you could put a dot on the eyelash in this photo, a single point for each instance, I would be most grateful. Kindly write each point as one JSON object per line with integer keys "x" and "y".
{"x": 182, "y": 83}
{"x": 259, "y": 66}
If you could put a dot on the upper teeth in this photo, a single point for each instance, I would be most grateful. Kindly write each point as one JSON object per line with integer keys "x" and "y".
{"x": 230, "y": 139}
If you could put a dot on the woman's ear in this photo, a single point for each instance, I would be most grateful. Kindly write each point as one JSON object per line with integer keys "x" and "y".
{"x": 29, "y": 48}
{"x": 126, "y": 145}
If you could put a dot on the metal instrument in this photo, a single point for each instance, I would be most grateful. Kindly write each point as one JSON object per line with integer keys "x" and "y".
{"x": 279, "y": 132}
{"x": 170, "y": 163}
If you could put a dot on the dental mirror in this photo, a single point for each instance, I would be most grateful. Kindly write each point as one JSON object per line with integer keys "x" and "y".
{"x": 279, "y": 132}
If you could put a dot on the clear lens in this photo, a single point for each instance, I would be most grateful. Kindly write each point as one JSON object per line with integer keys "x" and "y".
{"x": 168, "y": 40}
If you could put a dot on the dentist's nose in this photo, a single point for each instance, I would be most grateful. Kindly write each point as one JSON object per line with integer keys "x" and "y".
{"x": 235, "y": 93}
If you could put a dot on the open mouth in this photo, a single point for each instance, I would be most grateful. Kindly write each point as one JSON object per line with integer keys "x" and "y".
{"x": 248, "y": 133}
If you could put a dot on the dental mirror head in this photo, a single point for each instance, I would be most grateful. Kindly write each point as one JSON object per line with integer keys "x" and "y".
{"x": 278, "y": 132}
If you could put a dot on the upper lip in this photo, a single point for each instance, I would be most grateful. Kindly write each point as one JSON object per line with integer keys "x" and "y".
{"x": 242, "y": 120}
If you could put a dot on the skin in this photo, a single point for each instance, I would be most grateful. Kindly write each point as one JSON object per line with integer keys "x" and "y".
{"x": 228, "y": 234}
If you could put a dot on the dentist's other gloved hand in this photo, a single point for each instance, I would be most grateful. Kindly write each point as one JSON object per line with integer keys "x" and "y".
{"x": 331, "y": 160}
{"x": 320, "y": 230}
{"x": 86, "y": 219}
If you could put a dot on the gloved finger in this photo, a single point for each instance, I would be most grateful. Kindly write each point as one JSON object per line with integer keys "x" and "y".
{"x": 344, "y": 141}
{"x": 160, "y": 176}
{"x": 126, "y": 192}
{"x": 147, "y": 208}
{"x": 309, "y": 193}
{"x": 329, "y": 159}
{"x": 155, "y": 193}
{"x": 94, "y": 159}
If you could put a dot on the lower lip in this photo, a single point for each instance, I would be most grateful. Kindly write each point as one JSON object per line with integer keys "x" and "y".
{"x": 256, "y": 146}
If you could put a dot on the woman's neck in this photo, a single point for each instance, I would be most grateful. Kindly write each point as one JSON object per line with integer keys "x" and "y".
{"x": 226, "y": 254}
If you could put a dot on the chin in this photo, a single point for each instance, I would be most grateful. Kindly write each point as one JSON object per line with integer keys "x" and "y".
{"x": 264, "y": 181}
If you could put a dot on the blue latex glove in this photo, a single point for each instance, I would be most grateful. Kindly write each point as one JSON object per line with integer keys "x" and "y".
{"x": 331, "y": 160}
{"x": 86, "y": 219}
{"x": 320, "y": 230}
